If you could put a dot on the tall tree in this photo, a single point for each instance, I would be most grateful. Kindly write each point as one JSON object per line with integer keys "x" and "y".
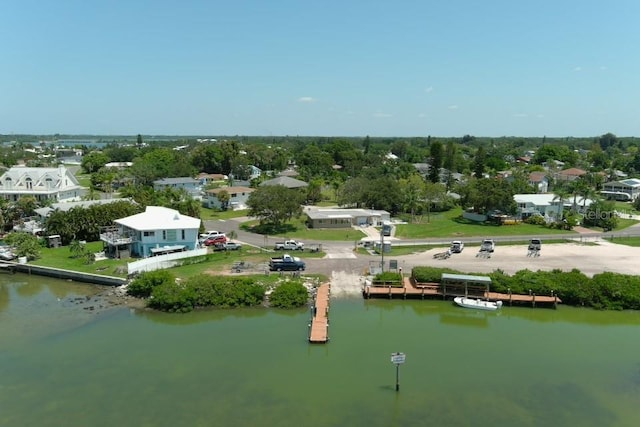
{"x": 435, "y": 160}
{"x": 479, "y": 163}
{"x": 275, "y": 204}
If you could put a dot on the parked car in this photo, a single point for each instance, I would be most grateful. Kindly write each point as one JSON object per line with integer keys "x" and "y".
{"x": 215, "y": 239}
{"x": 233, "y": 246}
{"x": 289, "y": 245}
{"x": 457, "y": 246}
{"x": 209, "y": 234}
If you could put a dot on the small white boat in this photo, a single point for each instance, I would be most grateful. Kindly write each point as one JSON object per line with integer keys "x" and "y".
{"x": 477, "y": 303}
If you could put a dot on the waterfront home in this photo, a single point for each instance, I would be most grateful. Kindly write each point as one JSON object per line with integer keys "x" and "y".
{"x": 157, "y": 230}
{"x": 238, "y": 197}
{"x": 44, "y": 184}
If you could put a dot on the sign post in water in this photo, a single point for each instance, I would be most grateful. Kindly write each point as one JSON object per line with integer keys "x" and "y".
{"x": 397, "y": 359}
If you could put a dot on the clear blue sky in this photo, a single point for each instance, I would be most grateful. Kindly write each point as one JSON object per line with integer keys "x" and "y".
{"x": 321, "y": 67}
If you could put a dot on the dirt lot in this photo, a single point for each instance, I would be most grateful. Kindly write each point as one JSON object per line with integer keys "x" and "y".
{"x": 590, "y": 258}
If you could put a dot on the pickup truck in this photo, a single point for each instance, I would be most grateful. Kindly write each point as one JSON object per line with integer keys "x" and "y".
{"x": 488, "y": 245}
{"x": 286, "y": 263}
{"x": 289, "y": 245}
{"x": 457, "y": 246}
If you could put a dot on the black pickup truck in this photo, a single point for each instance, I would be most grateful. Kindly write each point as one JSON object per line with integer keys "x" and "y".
{"x": 286, "y": 263}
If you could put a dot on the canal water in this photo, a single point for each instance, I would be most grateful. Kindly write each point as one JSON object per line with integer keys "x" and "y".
{"x": 63, "y": 363}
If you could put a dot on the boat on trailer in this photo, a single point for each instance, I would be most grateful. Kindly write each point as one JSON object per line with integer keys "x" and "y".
{"x": 478, "y": 304}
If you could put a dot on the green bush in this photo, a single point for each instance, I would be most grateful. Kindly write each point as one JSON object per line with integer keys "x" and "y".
{"x": 430, "y": 274}
{"x": 289, "y": 294}
{"x": 388, "y": 276}
{"x": 143, "y": 285}
{"x": 207, "y": 291}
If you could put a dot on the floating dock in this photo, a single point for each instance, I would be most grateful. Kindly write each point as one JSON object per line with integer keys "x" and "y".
{"x": 409, "y": 289}
{"x": 319, "y": 326}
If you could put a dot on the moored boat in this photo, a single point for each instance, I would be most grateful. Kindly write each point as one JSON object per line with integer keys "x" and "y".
{"x": 477, "y": 303}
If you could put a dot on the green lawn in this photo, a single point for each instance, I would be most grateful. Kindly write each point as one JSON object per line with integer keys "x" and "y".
{"x": 629, "y": 241}
{"x": 206, "y": 213}
{"x": 626, "y": 207}
{"x": 297, "y": 229}
{"x": 215, "y": 261}
{"x": 61, "y": 258}
{"x": 451, "y": 225}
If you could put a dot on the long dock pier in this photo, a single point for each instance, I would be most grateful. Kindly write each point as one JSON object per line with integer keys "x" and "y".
{"x": 319, "y": 326}
{"x": 409, "y": 289}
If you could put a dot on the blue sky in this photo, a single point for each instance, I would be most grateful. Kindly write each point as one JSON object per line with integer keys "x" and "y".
{"x": 320, "y": 67}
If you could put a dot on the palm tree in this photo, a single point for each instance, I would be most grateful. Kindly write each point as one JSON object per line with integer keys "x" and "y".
{"x": 560, "y": 194}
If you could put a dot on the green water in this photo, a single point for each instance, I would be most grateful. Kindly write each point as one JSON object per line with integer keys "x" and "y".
{"x": 63, "y": 365}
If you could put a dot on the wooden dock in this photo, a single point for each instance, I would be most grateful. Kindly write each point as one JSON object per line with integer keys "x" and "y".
{"x": 319, "y": 326}
{"x": 434, "y": 290}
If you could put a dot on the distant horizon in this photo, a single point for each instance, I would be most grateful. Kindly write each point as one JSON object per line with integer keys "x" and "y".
{"x": 207, "y": 136}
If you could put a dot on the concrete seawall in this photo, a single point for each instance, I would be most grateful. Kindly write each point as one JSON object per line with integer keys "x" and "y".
{"x": 59, "y": 273}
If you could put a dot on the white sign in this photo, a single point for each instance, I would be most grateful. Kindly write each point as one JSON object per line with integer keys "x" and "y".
{"x": 397, "y": 358}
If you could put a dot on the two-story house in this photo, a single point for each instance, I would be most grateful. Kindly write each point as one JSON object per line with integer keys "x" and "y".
{"x": 54, "y": 184}
{"x": 157, "y": 230}
{"x": 624, "y": 190}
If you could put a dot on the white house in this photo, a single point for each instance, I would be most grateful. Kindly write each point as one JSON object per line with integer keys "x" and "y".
{"x": 546, "y": 205}
{"x": 238, "y": 197}
{"x": 538, "y": 204}
{"x": 344, "y": 218}
{"x": 625, "y": 190}
{"x": 55, "y": 184}
{"x": 157, "y": 230}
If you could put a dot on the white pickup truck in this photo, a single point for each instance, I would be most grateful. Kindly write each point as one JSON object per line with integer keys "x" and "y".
{"x": 289, "y": 245}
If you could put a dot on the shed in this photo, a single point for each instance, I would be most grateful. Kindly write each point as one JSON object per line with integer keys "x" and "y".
{"x": 465, "y": 285}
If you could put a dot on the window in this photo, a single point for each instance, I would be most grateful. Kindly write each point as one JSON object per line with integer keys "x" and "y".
{"x": 29, "y": 183}
{"x": 149, "y": 233}
{"x": 48, "y": 182}
{"x": 8, "y": 182}
{"x": 183, "y": 235}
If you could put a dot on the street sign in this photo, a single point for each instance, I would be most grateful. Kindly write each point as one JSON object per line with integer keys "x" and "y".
{"x": 397, "y": 358}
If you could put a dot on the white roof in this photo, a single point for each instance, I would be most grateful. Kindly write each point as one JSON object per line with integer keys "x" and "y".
{"x": 535, "y": 199}
{"x": 159, "y": 218}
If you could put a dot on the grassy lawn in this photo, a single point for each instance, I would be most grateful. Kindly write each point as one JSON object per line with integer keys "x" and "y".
{"x": 84, "y": 179}
{"x": 629, "y": 241}
{"x": 297, "y": 229}
{"x": 206, "y": 213}
{"x": 61, "y": 258}
{"x": 451, "y": 224}
{"x": 626, "y": 207}
{"x": 215, "y": 261}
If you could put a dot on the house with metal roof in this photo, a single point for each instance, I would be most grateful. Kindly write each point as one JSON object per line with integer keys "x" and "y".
{"x": 44, "y": 184}
{"x": 286, "y": 181}
{"x": 546, "y": 205}
{"x": 344, "y": 218}
{"x": 157, "y": 230}
{"x": 625, "y": 190}
{"x": 190, "y": 185}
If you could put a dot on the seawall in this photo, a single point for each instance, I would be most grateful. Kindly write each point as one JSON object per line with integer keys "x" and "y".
{"x": 60, "y": 273}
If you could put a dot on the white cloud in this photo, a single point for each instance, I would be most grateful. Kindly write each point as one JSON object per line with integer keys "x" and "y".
{"x": 520, "y": 115}
{"x": 429, "y": 89}
{"x": 452, "y": 107}
{"x": 382, "y": 115}
{"x": 306, "y": 99}
{"x": 422, "y": 115}
{"x": 577, "y": 69}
